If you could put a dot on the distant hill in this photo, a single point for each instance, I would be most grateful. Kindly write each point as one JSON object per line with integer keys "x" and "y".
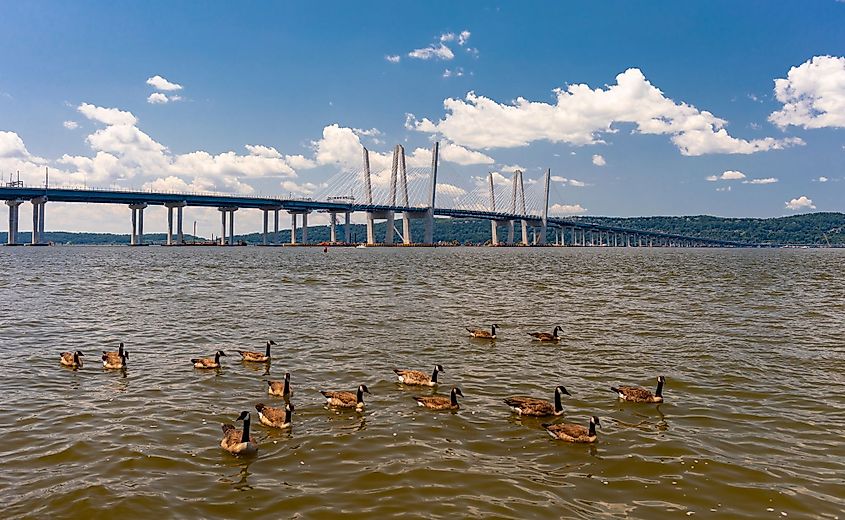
{"x": 813, "y": 229}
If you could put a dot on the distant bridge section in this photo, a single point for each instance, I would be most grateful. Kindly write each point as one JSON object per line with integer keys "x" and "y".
{"x": 411, "y": 195}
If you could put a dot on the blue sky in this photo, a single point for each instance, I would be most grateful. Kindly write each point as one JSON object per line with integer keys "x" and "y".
{"x": 656, "y": 97}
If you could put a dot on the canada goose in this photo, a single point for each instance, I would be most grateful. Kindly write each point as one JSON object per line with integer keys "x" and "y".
{"x": 415, "y": 377}
{"x": 483, "y": 334}
{"x": 574, "y": 432}
{"x": 346, "y": 399}
{"x": 238, "y": 442}
{"x": 638, "y": 394}
{"x": 537, "y": 407}
{"x": 274, "y": 417}
{"x": 545, "y": 336}
{"x": 258, "y": 357}
{"x": 280, "y": 388}
{"x": 114, "y": 359}
{"x": 436, "y": 402}
{"x": 208, "y": 362}
{"x": 71, "y": 359}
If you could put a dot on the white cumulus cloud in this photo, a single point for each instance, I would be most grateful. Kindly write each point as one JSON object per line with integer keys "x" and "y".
{"x": 157, "y": 98}
{"x": 393, "y": 58}
{"x": 813, "y": 94}
{"x": 566, "y": 209}
{"x": 107, "y": 116}
{"x": 464, "y": 37}
{"x": 581, "y": 115}
{"x": 159, "y": 83}
{"x": 823, "y": 179}
{"x": 70, "y": 125}
{"x": 459, "y": 155}
{"x": 729, "y": 175}
{"x": 800, "y": 203}
{"x": 598, "y": 160}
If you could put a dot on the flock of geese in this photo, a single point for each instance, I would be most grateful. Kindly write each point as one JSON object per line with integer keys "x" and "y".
{"x": 238, "y": 441}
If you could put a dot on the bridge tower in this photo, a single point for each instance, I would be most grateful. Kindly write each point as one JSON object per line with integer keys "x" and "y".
{"x": 403, "y": 176}
{"x": 545, "y": 221}
{"x": 429, "y": 217}
{"x": 494, "y": 225}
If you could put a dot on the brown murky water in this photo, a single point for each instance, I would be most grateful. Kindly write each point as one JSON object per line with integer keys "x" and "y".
{"x": 750, "y": 341}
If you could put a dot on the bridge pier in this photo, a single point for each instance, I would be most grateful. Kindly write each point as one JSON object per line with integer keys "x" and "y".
{"x": 14, "y": 217}
{"x": 137, "y": 237}
{"x": 406, "y": 228}
{"x": 293, "y": 228}
{"x": 347, "y": 227}
{"x": 276, "y": 226}
{"x": 38, "y": 211}
{"x": 332, "y": 227}
{"x": 180, "y": 238}
{"x": 265, "y": 230}
{"x": 305, "y": 227}
{"x": 371, "y": 228}
{"x": 231, "y": 225}
{"x": 388, "y": 234}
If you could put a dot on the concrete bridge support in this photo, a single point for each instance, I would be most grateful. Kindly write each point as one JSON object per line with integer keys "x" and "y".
{"x": 347, "y": 227}
{"x": 371, "y": 228}
{"x": 227, "y": 236}
{"x": 276, "y": 226}
{"x": 137, "y": 237}
{"x": 406, "y": 228}
{"x": 14, "y": 219}
{"x": 180, "y": 237}
{"x": 332, "y": 227}
{"x": 38, "y": 212}
{"x": 525, "y": 233}
{"x": 265, "y": 230}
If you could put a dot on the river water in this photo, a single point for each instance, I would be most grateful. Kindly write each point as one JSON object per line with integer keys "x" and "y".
{"x": 750, "y": 342}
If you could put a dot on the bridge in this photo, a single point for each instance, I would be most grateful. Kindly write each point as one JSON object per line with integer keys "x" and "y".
{"x": 379, "y": 195}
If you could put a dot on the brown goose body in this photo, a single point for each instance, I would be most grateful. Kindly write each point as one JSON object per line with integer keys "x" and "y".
{"x": 636, "y": 394}
{"x": 71, "y": 359}
{"x": 342, "y": 399}
{"x": 115, "y": 359}
{"x": 280, "y": 388}
{"x": 483, "y": 334}
{"x": 417, "y": 377}
{"x": 256, "y": 357}
{"x": 545, "y": 336}
{"x": 275, "y": 417}
{"x": 238, "y": 442}
{"x": 534, "y": 407}
{"x": 437, "y": 402}
{"x": 208, "y": 362}
{"x": 574, "y": 432}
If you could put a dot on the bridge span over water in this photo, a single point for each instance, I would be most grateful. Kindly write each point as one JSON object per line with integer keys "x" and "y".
{"x": 354, "y": 192}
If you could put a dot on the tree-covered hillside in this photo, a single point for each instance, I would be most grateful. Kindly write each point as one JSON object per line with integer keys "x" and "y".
{"x": 815, "y": 229}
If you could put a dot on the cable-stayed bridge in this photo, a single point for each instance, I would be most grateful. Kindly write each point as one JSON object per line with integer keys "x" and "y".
{"x": 388, "y": 193}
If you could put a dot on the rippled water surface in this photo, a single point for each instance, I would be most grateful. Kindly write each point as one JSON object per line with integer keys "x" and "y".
{"x": 750, "y": 342}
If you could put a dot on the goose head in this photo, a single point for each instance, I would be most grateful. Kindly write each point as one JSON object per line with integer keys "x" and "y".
{"x": 439, "y": 368}
{"x": 244, "y": 416}
{"x": 560, "y": 389}
{"x": 457, "y": 391}
{"x": 595, "y": 420}
{"x": 220, "y": 353}
{"x": 363, "y": 388}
